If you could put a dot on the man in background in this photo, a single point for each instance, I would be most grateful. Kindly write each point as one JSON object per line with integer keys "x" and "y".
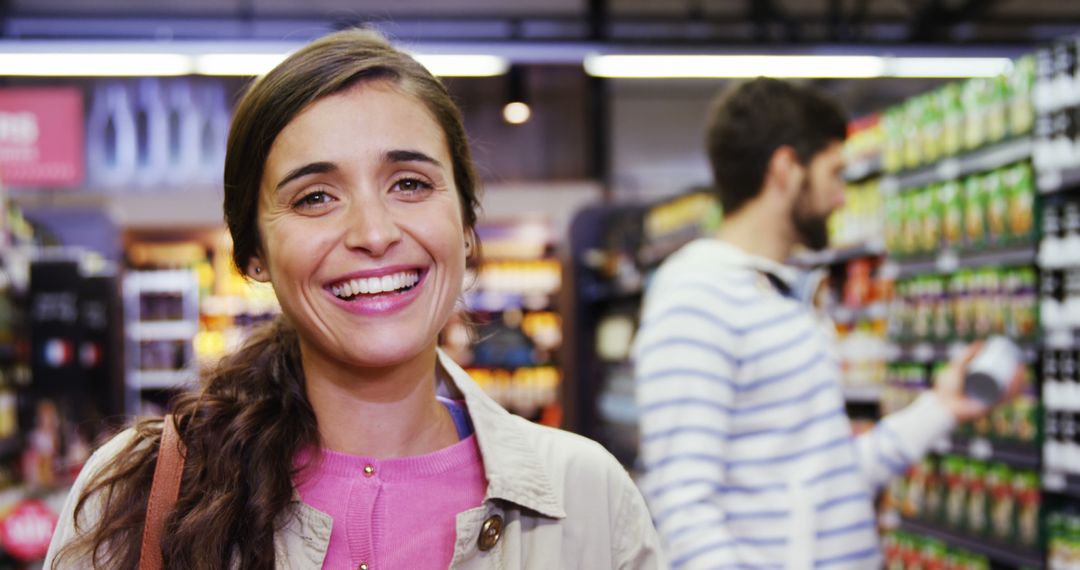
{"x": 748, "y": 452}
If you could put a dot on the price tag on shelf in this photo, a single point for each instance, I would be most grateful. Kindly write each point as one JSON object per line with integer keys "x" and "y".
{"x": 980, "y": 448}
{"x": 889, "y": 185}
{"x": 889, "y": 271}
{"x": 948, "y": 169}
{"x": 923, "y": 352}
{"x": 948, "y": 261}
{"x": 1053, "y": 481}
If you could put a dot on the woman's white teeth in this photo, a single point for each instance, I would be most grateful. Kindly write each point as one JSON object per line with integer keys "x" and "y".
{"x": 373, "y": 285}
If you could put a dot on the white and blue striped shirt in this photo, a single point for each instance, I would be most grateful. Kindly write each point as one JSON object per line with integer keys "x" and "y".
{"x": 748, "y": 452}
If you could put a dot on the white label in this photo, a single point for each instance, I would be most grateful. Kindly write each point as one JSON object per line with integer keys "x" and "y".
{"x": 981, "y": 449}
{"x": 889, "y": 271}
{"x": 948, "y": 261}
{"x": 1053, "y": 481}
{"x": 923, "y": 352}
{"x": 889, "y": 185}
{"x": 948, "y": 169}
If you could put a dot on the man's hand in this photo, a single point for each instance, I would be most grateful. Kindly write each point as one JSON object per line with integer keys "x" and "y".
{"x": 949, "y": 386}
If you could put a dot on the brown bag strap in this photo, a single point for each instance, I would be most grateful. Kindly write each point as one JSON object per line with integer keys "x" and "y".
{"x": 163, "y": 492}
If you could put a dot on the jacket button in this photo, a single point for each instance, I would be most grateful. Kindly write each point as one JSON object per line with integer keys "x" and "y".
{"x": 490, "y": 532}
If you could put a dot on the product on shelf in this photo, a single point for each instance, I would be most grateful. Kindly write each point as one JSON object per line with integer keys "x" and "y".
{"x": 972, "y": 497}
{"x": 990, "y": 209}
{"x": 1063, "y": 540}
{"x": 968, "y": 305}
{"x": 959, "y": 117}
{"x": 908, "y": 551}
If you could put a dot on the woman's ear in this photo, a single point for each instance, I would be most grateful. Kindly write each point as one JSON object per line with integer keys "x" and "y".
{"x": 256, "y": 270}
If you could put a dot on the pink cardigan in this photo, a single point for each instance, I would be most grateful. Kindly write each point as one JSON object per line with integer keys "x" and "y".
{"x": 394, "y": 513}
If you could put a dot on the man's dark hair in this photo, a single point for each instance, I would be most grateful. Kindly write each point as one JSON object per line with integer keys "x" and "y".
{"x": 749, "y": 121}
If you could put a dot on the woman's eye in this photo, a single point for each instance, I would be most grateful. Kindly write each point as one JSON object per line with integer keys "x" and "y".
{"x": 312, "y": 199}
{"x": 411, "y": 186}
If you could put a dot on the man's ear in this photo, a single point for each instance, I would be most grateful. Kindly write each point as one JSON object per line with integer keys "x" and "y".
{"x": 785, "y": 172}
{"x": 257, "y": 270}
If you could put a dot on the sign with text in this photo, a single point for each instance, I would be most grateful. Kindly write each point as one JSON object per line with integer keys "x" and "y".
{"x": 41, "y": 137}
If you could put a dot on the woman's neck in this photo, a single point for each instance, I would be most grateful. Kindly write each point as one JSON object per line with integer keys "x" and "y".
{"x": 380, "y": 413}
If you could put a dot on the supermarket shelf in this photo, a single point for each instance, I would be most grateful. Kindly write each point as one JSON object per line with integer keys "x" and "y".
{"x": 604, "y": 291}
{"x": 849, "y": 315}
{"x": 1013, "y": 454}
{"x": 952, "y": 168}
{"x": 162, "y": 379}
{"x": 498, "y": 301}
{"x": 838, "y": 255}
{"x": 863, "y": 394}
{"x": 949, "y": 260}
{"x": 1061, "y": 483}
{"x": 1059, "y": 179}
{"x": 927, "y": 352}
{"x": 996, "y": 551}
{"x": 163, "y": 330}
{"x": 652, "y": 253}
{"x": 864, "y": 169}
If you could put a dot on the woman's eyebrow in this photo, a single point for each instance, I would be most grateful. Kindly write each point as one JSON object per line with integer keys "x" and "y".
{"x": 306, "y": 170}
{"x": 409, "y": 156}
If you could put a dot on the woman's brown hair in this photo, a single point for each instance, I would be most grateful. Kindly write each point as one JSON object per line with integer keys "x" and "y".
{"x": 250, "y": 417}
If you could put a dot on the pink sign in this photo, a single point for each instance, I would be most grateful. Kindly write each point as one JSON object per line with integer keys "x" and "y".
{"x": 26, "y": 531}
{"x": 41, "y": 137}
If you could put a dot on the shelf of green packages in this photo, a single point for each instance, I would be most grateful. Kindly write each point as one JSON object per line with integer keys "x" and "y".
{"x": 997, "y": 552}
{"x": 951, "y": 168}
{"x": 928, "y": 352}
{"x": 949, "y": 260}
{"x": 1014, "y": 454}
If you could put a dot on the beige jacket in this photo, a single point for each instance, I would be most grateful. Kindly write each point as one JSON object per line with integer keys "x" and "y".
{"x": 554, "y": 500}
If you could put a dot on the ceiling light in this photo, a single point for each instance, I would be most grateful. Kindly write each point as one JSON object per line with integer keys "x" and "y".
{"x": 94, "y": 64}
{"x": 516, "y": 112}
{"x": 792, "y": 66}
{"x": 947, "y": 66}
{"x": 237, "y": 63}
{"x": 691, "y": 66}
{"x": 463, "y": 65}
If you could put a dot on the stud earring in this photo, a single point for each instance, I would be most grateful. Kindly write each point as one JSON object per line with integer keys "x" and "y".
{"x": 258, "y": 270}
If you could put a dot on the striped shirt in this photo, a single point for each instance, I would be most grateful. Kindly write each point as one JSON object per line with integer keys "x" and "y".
{"x": 748, "y": 453}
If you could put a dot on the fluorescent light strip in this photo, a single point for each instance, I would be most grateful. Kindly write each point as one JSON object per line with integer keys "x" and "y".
{"x": 237, "y": 63}
{"x": 795, "y": 66}
{"x": 94, "y": 64}
{"x": 461, "y": 65}
{"x": 106, "y": 64}
{"x": 946, "y": 67}
{"x": 690, "y": 66}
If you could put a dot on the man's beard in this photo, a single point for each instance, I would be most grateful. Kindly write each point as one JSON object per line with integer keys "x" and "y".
{"x": 812, "y": 230}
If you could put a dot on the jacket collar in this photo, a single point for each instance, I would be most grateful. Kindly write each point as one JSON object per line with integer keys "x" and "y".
{"x": 512, "y": 466}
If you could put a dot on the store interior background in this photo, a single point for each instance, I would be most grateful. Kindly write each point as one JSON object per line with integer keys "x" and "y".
{"x": 116, "y": 286}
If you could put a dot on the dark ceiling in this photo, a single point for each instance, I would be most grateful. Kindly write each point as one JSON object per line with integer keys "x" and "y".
{"x": 713, "y": 22}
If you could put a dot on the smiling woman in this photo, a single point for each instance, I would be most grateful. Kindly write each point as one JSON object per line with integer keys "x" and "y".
{"x": 341, "y": 437}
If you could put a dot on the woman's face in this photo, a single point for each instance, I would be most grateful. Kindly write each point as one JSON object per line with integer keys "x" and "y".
{"x": 361, "y": 227}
